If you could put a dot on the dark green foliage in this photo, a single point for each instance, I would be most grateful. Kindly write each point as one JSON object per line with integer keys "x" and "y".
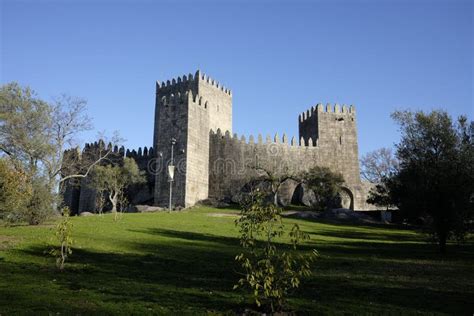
{"x": 270, "y": 272}
{"x": 15, "y": 191}
{"x": 435, "y": 178}
{"x": 380, "y": 194}
{"x": 326, "y": 186}
{"x": 22, "y": 197}
{"x": 41, "y": 205}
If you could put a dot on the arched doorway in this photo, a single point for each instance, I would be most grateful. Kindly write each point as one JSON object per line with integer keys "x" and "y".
{"x": 347, "y": 198}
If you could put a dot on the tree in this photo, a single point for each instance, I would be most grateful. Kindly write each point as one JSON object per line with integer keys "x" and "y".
{"x": 42, "y": 202}
{"x": 380, "y": 194}
{"x": 325, "y": 184}
{"x": 68, "y": 116}
{"x": 100, "y": 200}
{"x": 270, "y": 272}
{"x": 114, "y": 178}
{"x": 435, "y": 178}
{"x": 376, "y": 167}
{"x": 34, "y": 134}
{"x": 64, "y": 236}
{"x": 275, "y": 178}
{"x": 15, "y": 190}
{"x": 377, "y": 164}
{"x": 24, "y": 123}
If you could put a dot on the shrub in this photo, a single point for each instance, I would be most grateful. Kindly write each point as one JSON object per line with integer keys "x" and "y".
{"x": 326, "y": 186}
{"x": 64, "y": 237}
{"x": 269, "y": 272}
{"x": 15, "y": 191}
{"x": 41, "y": 205}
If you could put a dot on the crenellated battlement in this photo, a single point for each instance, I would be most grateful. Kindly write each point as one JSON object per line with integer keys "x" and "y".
{"x": 198, "y": 100}
{"x": 276, "y": 140}
{"x": 101, "y": 145}
{"x": 329, "y": 108}
{"x": 180, "y": 84}
{"x": 174, "y": 82}
{"x": 145, "y": 153}
{"x": 181, "y": 98}
{"x": 189, "y": 82}
{"x": 212, "y": 82}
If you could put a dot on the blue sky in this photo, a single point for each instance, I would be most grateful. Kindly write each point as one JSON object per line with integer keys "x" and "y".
{"x": 278, "y": 57}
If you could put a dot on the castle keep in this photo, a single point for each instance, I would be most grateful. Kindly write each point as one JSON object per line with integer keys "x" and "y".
{"x": 211, "y": 162}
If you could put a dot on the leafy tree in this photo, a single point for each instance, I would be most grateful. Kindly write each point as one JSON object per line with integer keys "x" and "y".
{"x": 377, "y": 164}
{"x": 24, "y": 122}
{"x": 64, "y": 237}
{"x": 380, "y": 194}
{"x": 325, "y": 184}
{"x": 34, "y": 134}
{"x": 114, "y": 178}
{"x": 435, "y": 178}
{"x": 41, "y": 205}
{"x": 275, "y": 177}
{"x": 270, "y": 273}
{"x": 15, "y": 190}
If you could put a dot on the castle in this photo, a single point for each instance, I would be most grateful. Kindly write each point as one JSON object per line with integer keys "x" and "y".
{"x": 195, "y": 112}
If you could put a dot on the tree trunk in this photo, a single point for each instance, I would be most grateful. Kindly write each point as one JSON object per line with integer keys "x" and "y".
{"x": 113, "y": 197}
{"x": 275, "y": 194}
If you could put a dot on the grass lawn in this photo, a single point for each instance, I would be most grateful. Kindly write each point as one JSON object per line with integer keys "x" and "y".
{"x": 183, "y": 263}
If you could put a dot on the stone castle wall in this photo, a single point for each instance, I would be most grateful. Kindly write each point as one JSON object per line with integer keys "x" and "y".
{"x": 217, "y": 165}
{"x": 235, "y": 161}
{"x": 80, "y": 196}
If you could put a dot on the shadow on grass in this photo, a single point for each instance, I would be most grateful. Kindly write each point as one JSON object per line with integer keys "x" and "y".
{"x": 169, "y": 275}
{"x": 370, "y": 235}
{"x": 190, "y": 236}
{"x": 192, "y": 272}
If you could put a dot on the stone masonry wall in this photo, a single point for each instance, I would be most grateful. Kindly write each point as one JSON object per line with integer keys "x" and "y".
{"x": 172, "y": 123}
{"x": 335, "y": 132}
{"x": 79, "y": 195}
{"x": 219, "y": 102}
{"x": 186, "y": 109}
{"x": 232, "y": 161}
{"x": 197, "y": 164}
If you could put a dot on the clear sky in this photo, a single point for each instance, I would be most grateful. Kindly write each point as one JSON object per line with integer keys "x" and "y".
{"x": 278, "y": 57}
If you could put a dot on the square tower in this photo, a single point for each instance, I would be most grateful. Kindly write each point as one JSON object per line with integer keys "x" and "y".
{"x": 334, "y": 131}
{"x": 186, "y": 109}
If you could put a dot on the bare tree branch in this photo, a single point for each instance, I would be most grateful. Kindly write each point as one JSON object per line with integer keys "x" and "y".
{"x": 91, "y": 166}
{"x": 378, "y": 164}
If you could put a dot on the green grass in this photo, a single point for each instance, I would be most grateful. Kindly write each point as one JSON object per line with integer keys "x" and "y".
{"x": 183, "y": 263}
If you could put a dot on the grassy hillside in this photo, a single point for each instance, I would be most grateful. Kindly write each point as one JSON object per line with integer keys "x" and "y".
{"x": 183, "y": 263}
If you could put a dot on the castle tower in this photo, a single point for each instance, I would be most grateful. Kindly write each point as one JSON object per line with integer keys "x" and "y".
{"x": 335, "y": 132}
{"x": 186, "y": 109}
